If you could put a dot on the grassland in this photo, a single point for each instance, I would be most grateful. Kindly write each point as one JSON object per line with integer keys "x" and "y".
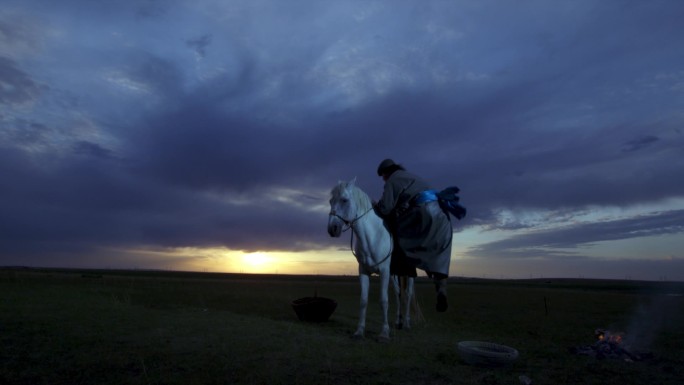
{"x": 140, "y": 327}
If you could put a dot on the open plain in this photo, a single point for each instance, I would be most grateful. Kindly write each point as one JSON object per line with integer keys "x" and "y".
{"x": 60, "y": 326}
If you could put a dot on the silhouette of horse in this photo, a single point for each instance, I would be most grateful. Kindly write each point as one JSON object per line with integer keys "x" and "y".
{"x": 351, "y": 208}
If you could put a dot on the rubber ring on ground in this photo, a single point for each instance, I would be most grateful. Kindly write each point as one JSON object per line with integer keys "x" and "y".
{"x": 486, "y": 353}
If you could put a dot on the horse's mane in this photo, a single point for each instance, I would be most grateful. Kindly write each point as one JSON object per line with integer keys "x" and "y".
{"x": 362, "y": 200}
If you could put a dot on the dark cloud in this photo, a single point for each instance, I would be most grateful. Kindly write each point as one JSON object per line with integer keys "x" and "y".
{"x": 152, "y": 8}
{"x": 16, "y": 86}
{"x": 200, "y": 44}
{"x": 21, "y": 132}
{"x": 569, "y": 238}
{"x": 638, "y": 144}
{"x": 135, "y": 143}
{"x": 159, "y": 75}
{"x": 92, "y": 149}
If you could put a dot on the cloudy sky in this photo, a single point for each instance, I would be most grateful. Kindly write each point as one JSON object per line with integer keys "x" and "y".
{"x": 206, "y": 135}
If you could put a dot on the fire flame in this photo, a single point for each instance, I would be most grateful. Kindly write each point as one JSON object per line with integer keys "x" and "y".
{"x": 607, "y": 336}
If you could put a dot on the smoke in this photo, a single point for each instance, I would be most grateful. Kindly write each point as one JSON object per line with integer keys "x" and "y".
{"x": 650, "y": 320}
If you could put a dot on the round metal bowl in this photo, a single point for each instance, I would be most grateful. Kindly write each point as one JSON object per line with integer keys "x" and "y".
{"x": 314, "y": 309}
{"x": 486, "y": 353}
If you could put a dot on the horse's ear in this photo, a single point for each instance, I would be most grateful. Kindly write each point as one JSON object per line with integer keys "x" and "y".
{"x": 351, "y": 182}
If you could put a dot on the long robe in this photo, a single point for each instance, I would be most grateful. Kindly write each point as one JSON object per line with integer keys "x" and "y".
{"x": 423, "y": 231}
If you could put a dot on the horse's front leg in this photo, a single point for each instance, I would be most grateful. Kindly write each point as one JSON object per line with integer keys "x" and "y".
{"x": 384, "y": 304}
{"x": 364, "y": 280}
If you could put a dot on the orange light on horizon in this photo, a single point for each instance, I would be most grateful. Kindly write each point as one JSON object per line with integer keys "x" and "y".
{"x": 257, "y": 262}
{"x": 330, "y": 261}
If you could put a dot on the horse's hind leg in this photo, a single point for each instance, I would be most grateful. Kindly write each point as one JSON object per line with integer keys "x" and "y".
{"x": 403, "y": 291}
{"x": 397, "y": 294}
{"x": 408, "y": 291}
{"x": 384, "y": 304}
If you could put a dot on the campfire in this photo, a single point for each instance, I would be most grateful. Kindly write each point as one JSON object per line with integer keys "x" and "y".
{"x": 608, "y": 337}
{"x": 610, "y": 344}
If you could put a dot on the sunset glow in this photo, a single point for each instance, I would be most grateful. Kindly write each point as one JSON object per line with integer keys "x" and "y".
{"x": 256, "y": 261}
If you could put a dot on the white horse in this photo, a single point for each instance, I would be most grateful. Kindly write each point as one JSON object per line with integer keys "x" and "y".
{"x": 351, "y": 207}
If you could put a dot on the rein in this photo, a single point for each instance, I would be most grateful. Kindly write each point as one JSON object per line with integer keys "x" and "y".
{"x": 389, "y": 254}
{"x": 350, "y": 224}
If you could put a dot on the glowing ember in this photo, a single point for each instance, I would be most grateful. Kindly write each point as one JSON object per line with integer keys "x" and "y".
{"x": 610, "y": 344}
{"x": 608, "y": 336}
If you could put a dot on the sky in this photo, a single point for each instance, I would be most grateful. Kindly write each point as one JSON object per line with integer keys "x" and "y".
{"x": 207, "y": 135}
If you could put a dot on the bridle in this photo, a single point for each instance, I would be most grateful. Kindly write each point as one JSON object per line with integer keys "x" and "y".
{"x": 350, "y": 224}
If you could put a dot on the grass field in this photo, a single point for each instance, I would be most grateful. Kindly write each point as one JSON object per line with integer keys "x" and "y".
{"x": 141, "y": 327}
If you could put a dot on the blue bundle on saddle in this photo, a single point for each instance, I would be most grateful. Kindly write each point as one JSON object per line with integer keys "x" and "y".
{"x": 448, "y": 200}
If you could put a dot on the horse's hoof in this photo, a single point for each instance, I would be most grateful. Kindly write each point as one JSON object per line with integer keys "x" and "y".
{"x": 383, "y": 339}
{"x": 357, "y": 336}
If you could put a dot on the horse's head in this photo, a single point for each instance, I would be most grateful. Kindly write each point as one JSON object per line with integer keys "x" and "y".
{"x": 344, "y": 204}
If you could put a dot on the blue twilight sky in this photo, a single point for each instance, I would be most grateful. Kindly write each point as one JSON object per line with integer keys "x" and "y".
{"x": 206, "y": 135}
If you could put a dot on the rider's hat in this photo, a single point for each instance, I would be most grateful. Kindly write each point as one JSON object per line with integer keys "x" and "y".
{"x": 384, "y": 165}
